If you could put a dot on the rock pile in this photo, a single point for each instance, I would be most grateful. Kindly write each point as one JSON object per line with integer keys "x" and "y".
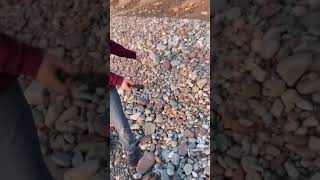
{"x": 74, "y": 31}
{"x": 172, "y": 113}
{"x": 266, "y": 89}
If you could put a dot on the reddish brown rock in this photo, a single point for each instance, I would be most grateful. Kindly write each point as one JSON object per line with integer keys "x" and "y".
{"x": 188, "y": 133}
{"x": 183, "y": 149}
{"x": 144, "y": 140}
{"x": 146, "y": 162}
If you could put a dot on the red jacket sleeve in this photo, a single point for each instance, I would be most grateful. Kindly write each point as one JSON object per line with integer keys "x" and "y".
{"x": 115, "y": 80}
{"x": 120, "y": 51}
{"x": 17, "y": 58}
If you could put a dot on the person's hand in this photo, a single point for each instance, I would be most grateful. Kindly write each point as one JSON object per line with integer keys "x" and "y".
{"x": 48, "y": 72}
{"x": 126, "y": 85}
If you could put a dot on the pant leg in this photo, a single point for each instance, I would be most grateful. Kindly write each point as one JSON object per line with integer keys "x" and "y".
{"x": 20, "y": 156}
{"x": 120, "y": 122}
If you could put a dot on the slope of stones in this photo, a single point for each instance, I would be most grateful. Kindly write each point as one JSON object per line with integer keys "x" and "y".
{"x": 266, "y": 99}
{"x": 172, "y": 113}
{"x": 75, "y": 31}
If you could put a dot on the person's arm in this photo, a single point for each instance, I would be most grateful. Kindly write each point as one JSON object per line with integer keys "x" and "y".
{"x": 115, "y": 80}
{"x": 120, "y": 51}
{"x": 17, "y": 58}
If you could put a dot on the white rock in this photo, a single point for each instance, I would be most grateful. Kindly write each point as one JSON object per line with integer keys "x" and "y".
{"x": 137, "y": 176}
{"x": 188, "y": 169}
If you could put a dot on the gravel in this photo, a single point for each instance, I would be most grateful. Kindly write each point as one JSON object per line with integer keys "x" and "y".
{"x": 74, "y": 31}
{"x": 174, "y": 69}
{"x": 266, "y": 100}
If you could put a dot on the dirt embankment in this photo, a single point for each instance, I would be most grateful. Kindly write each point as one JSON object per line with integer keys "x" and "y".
{"x": 189, "y": 9}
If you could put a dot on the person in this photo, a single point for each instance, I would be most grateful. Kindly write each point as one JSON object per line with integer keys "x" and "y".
{"x": 117, "y": 116}
{"x": 20, "y": 156}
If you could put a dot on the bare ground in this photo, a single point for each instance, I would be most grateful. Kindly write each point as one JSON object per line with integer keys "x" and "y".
{"x": 183, "y": 9}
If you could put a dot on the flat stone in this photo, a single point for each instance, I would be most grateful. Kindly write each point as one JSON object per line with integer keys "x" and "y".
{"x": 272, "y": 150}
{"x": 304, "y": 104}
{"x": 249, "y": 164}
{"x": 311, "y": 122}
{"x": 258, "y": 73}
{"x": 187, "y": 169}
{"x": 277, "y": 108}
{"x": 308, "y": 86}
{"x": 149, "y": 128}
{"x": 201, "y": 83}
{"x": 146, "y": 162}
{"x": 61, "y": 159}
{"x": 273, "y": 87}
{"x": 269, "y": 48}
{"x": 68, "y": 114}
{"x": 188, "y": 133}
{"x": 245, "y": 122}
{"x": 170, "y": 170}
{"x": 289, "y": 98}
{"x": 175, "y": 159}
{"x": 166, "y": 65}
{"x": 314, "y": 143}
{"x": 159, "y": 118}
{"x": 183, "y": 149}
{"x": 175, "y": 63}
{"x": 292, "y": 68}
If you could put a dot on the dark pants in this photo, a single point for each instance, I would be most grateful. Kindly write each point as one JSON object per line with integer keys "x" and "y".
{"x": 20, "y": 153}
{"x": 120, "y": 122}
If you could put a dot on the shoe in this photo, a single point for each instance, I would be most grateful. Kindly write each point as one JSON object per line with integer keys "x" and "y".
{"x": 134, "y": 157}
